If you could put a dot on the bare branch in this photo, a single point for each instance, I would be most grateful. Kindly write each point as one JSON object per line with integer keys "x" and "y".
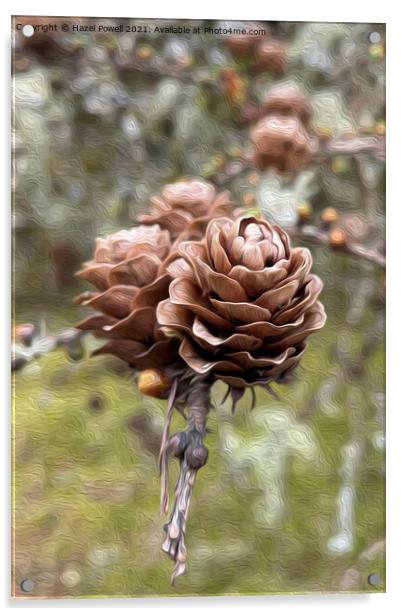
{"x": 311, "y": 232}
{"x": 40, "y": 344}
{"x": 193, "y": 454}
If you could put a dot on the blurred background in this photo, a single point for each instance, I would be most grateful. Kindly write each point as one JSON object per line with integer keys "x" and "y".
{"x": 292, "y": 498}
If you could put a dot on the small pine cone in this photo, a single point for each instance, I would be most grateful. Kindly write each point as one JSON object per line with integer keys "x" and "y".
{"x": 282, "y": 143}
{"x": 243, "y": 44}
{"x": 128, "y": 269}
{"x": 270, "y": 55}
{"x": 284, "y": 99}
{"x": 185, "y": 208}
{"x": 243, "y": 302}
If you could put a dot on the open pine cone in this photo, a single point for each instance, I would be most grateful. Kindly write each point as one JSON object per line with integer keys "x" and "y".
{"x": 243, "y": 302}
{"x": 185, "y": 208}
{"x": 129, "y": 272}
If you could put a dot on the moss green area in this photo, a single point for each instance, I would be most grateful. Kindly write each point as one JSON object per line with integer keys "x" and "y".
{"x": 87, "y": 486}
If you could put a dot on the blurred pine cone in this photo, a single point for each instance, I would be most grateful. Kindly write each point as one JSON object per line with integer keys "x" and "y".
{"x": 270, "y": 55}
{"x": 281, "y": 142}
{"x": 243, "y": 302}
{"x": 185, "y": 208}
{"x": 128, "y": 270}
{"x": 288, "y": 100}
{"x": 46, "y": 44}
{"x": 243, "y": 44}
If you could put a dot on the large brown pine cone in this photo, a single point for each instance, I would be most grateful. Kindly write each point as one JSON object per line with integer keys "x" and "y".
{"x": 243, "y": 302}
{"x": 185, "y": 208}
{"x": 128, "y": 269}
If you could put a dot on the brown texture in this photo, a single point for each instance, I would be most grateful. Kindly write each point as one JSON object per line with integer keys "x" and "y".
{"x": 186, "y": 207}
{"x": 270, "y": 55}
{"x": 288, "y": 100}
{"x": 281, "y": 142}
{"x": 243, "y": 44}
{"x": 243, "y": 302}
{"x": 128, "y": 270}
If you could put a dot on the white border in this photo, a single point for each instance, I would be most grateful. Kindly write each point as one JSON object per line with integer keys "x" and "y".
{"x": 302, "y": 10}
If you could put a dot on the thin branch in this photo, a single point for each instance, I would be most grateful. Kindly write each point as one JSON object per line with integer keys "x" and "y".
{"x": 311, "y": 232}
{"x": 38, "y": 344}
{"x": 355, "y": 145}
{"x": 163, "y": 457}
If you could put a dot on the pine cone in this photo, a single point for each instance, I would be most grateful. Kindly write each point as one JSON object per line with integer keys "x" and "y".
{"x": 270, "y": 55}
{"x": 186, "y": 208}
{"x": 243, "y": 44}
{"x": 285, "y": 99}
{"x": 129, "y": 272}
{"x": 281, "y": 142}
{"x": 243, "y": 302}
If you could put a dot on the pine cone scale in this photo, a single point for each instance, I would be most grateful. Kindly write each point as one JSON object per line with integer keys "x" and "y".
{"x": 278, "y": 297}
{"x": 240, "y": 312}
{"x": 227, "y": 289}
{"x": 115, "y": 302}
{"x": 236, "y": 342}
{"x": 139, "y": 270}
{"x": 185, "y": 293}
{"x": 249, "y": 362}
{"x": 203, "y": 365}
{"x": 139, "y": 325}
{"x": 299, "y": 304}
{"x": 255, "y": 282}
{"x": 96, "y": 274}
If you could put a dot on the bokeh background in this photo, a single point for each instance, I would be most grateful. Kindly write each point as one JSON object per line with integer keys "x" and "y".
{"x": 292, "y": 498}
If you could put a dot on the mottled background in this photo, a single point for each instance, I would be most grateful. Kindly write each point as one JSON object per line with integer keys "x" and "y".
{"x": 292, "y": 498}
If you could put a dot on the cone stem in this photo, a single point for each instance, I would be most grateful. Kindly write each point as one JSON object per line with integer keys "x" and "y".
{"x": 193, "y": 458}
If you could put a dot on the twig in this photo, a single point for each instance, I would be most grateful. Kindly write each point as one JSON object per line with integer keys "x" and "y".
{"x": 355, "y": 145}
{"x": 310, "y": 232}
{"x": 193, "y": 454}
{"x": 163, "y": 458}
{"x": 38, "y": 344}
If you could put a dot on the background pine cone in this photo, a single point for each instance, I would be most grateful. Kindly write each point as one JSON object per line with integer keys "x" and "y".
{"x": 185, "y": 208}
{"x": 281, "y": 142}
{"x": 270, "y": 55}
{"x": 243, "y": 302}
{"x": 129, "y": 272}
{"x": 287, "y": 99}
{"x": 243, "y": 44}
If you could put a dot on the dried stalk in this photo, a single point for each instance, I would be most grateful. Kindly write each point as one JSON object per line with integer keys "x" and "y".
{"x": 163, "y": 454}
{"x": 189, "y": 447}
